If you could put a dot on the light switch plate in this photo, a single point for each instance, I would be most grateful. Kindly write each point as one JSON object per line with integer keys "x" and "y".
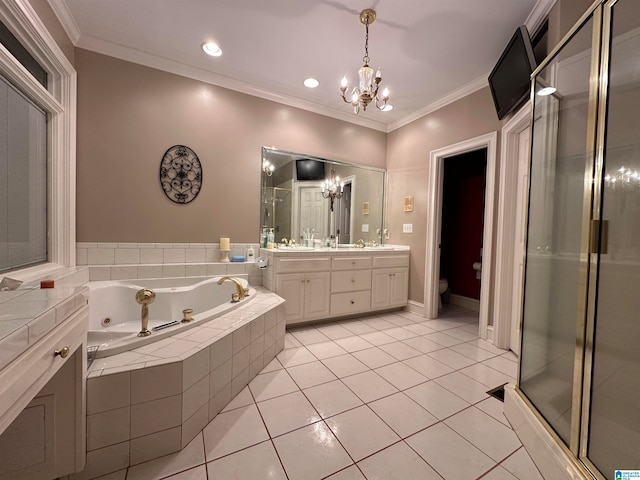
{"x": 365, "y": 228}
{"x": 407, "y": 228}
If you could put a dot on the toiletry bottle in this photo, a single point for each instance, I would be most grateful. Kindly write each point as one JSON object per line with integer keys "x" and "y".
{"x": 250, "y": 255}
{"x": 272, "y": 237}
{"x": 265, "y": 237}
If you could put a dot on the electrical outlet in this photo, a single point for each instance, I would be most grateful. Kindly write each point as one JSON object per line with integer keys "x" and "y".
{"x": 407, "y": 228}
{"x": 365, "y": 228}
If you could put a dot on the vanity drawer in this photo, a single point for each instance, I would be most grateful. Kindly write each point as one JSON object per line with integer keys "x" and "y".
{"x": 350, "y": 263}
{"x": 348, "y": 281}
{"x": 308, "y": 264}
{"x": 351, "y": 302}
{"x": 391, "y": 261}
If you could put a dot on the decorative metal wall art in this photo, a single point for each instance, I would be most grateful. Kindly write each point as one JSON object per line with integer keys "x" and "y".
{"x": 180, "y": 174}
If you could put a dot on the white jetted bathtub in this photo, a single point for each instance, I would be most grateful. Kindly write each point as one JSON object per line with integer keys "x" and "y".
{"x": 115, "y": 315}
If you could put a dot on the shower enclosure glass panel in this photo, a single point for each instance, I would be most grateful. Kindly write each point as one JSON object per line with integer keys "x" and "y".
{"x": 276, "y": 212}
{"x": 559, "y": 212}
{"x": 614, "y": 435}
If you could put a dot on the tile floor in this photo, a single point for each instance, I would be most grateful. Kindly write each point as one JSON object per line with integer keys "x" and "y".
{"x": 390, "y": 396}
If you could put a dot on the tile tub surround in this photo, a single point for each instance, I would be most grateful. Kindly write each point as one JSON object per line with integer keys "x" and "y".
{"x": 333, "y": 408}
{"x": 152, "y": 401}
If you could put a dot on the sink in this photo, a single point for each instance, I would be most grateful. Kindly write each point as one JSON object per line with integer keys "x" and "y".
{"x": 297, "y": 249}
{"x": 379, "y": 247}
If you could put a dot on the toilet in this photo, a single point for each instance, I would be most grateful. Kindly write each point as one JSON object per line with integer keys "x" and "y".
{"x": 444, "y": 285}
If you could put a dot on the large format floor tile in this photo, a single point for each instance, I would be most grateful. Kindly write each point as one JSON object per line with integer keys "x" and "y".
{"x": 386, "y": 397}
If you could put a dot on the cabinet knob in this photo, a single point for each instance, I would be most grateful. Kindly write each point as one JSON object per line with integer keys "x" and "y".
{"x": 353, "y": 262}
{"x": 63, "y": 352}
{"x": 353, "y": 302}
{"x": 302, "y": 281}
{"x": 353, "y": 280}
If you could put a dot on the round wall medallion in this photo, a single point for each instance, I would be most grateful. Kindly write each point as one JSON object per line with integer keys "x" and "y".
{"x": 180, "y": 174}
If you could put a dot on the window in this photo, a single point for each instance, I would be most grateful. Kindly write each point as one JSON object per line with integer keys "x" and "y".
{"x": 23, "y": 180}
{"x": 37, "y": 207}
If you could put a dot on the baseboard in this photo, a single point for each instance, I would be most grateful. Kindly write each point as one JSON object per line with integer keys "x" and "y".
{"x": 552, "y": 459}
{"x": 470, "y": 303}
{"x": 415, "y": 307}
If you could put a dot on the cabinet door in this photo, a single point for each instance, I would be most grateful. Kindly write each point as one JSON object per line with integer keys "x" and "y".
{"x": 316, "y": 295}
{"x": 399, "y": 293}
{"x": 381, "y": 288}
{"x": 290, "y": 286}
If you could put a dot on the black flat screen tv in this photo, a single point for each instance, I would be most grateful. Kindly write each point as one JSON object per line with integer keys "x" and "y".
{"x": 510, "y": 79}
{"x": 309, "y": 169}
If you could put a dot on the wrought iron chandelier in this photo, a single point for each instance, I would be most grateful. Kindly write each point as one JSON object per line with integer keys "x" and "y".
{"x": 368, "y": 85}
{"x": 330, "y": 188}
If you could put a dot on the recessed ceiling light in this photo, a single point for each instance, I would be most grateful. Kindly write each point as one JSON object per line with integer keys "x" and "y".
{"x": 212, "y": 49}
{"x": 543, "y": 92}
{"x": 311, "y": 83}
{"x": 387, "y": 108}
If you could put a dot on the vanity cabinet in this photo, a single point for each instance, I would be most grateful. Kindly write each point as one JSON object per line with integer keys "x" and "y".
{"x": 338, "y": 283}
{"x": 306, "y": 289}
{"x": 390, "y": 282}
{"x": 350, "y": 285}
{"x": 46, "y": 438}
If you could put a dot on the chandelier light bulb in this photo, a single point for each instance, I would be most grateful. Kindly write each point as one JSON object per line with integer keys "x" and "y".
{"x": 385, "y": 94}
{"x": 344, "y": 84}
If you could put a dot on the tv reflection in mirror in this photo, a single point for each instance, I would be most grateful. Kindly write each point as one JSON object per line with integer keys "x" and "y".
{"x": 308, "y": 169}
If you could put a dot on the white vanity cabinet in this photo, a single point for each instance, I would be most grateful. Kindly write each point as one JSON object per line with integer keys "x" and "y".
{"x": 337, "y": 283}
{"x": 390, "y": 282}
{"x": 43, "y": 399}
{"x": 305, "y": 285}
{"x": 350, "y": 285}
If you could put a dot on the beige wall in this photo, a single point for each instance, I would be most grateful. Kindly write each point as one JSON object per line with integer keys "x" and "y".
{"x": 128, "y": 115}
{"x": 408, "y": 150}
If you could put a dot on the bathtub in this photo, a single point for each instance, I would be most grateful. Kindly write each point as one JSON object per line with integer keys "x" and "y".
{"x": 114, "y": 314}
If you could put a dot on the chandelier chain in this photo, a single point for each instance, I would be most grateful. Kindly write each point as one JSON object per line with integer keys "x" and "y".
{"x": 366, "y": 58}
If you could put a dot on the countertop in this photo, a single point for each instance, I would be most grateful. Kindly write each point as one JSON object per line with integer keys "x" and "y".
{"x": 30, "y": 313}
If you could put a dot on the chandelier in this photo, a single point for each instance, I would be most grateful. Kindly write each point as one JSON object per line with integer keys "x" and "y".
{"x": 367, "y": 89}
{"x": 267, "y": 167}
{"x": 330, "y": 188}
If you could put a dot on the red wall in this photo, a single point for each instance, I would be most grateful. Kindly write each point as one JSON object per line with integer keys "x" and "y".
{"x": 462, "y": 221}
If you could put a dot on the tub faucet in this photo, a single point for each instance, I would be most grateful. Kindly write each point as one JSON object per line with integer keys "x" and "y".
{"x": 241, "y": 291}
{"x": 144, "y": 297}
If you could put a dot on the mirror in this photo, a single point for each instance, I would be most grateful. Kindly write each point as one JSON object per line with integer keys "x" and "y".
{"x": 296, "y": 200}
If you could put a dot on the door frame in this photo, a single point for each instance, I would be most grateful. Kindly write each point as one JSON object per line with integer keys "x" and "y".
{"x": 506, "y": 234}
{"x": 434, "y": 224}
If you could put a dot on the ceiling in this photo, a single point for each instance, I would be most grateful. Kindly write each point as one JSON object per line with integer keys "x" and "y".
{"x": 430, "y": 51}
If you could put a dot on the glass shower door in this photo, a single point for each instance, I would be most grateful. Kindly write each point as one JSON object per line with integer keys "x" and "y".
{"x": 614, "y": 421}
{"x": 556, "y": 269}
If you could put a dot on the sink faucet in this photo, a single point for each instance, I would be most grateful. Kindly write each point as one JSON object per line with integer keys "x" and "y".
{"x": 144, "y": 297}
{"x": 241, "y": 291}
{"x": 360, "y": 243}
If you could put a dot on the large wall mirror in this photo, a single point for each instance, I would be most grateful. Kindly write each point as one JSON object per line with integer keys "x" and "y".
{"x": 295, "y": 198}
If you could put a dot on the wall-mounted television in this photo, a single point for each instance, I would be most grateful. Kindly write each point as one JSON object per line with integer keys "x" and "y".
{"x": 309, "y": 169}
{"x": 510, "y": 79}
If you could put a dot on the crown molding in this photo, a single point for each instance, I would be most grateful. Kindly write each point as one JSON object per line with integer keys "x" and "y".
{"x": 61, "y": 10}
{"x": 539, "y": 14}
{"x": 471, "y": 87}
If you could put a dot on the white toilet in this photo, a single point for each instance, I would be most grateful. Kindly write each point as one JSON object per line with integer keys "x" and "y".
{"x": 444, "y": 284}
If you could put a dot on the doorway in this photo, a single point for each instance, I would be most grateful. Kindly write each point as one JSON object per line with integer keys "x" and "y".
{"x": 462, "y": 227}
{"x": 434, "y": 223}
